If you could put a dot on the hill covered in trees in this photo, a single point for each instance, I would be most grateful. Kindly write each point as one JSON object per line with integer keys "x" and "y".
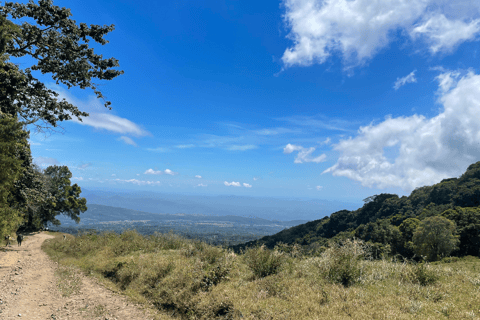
{"x": 389, "y": 223}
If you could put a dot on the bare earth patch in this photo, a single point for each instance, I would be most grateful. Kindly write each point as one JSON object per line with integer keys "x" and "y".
{"x": 34, "y": 287}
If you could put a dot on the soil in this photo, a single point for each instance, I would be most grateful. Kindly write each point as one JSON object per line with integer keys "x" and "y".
{"x": 30, "y": 288}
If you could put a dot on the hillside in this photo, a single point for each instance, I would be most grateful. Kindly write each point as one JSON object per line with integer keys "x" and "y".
{"x": 388, "y": 221}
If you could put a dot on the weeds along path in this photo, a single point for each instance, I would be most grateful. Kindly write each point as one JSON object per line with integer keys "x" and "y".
{"x": 34, "y": 287}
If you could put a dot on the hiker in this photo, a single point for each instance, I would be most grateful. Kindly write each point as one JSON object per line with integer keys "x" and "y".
{"x": 7, "y": 240}
{"x": 19, "y": 239}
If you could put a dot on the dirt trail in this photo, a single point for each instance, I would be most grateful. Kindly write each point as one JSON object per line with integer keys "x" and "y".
{"x": 29, "y": 289}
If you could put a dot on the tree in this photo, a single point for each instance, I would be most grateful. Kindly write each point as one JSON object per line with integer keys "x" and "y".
{"x": 435, "y": 238}
{"x": 60, "y": 48}
{"x": 12, "y": 142}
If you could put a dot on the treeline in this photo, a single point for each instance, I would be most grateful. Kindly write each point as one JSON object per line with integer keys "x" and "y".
{"x": 448, "y": 213}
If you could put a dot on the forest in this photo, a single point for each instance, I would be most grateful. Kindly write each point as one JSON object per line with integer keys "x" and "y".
{"x": 447, "y": 214}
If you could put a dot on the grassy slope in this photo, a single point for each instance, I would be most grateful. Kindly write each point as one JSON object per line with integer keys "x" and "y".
{"x": 192, "y": 280}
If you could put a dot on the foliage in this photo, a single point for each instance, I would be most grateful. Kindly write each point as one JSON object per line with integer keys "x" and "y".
{"x": 435, "y": 238}
{"x": 263, "y": 262}
{"x": 59, "y": 47}
{"x": 12, "y": 143}
{"x": 388, "y": 222}
{"x": 342, "y": 262}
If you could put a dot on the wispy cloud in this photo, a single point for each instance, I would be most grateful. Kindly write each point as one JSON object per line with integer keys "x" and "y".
{"x": 319, "y": 188}
{"x": 44, "y": 162}
{"x": 77, "y": 179}
{"x": 410, "y": 78}
{"x": 201, "y": 185}
{"x": 318, "y": 122}
{"x": 198, "y": 176}
{"x": 84, "y": 166}
{"x": 185, "y": 146}
{"x": 304, "y": 154}
{"x": 127, "y": 140}
{"x": 159, "y": 150}
{"x": 242, "y": 147}
{"x": 138, "y": 182}
{"x": 359, "y": 29}
{"x": 410, "y": 152}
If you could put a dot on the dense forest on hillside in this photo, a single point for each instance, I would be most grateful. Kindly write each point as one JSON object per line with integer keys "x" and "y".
{"x": 389, "y": 222}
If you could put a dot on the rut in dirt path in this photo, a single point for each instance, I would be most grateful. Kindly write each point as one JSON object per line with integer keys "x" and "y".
{"x": 29, "y": 289}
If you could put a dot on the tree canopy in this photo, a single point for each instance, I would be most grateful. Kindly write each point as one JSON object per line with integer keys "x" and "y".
{"x": 59, "y": 47}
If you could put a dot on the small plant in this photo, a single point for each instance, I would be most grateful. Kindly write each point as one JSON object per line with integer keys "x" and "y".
{"x": 341, "y": 262}
{"x": 423, "y": 275}
{"x": 263, "y": 262}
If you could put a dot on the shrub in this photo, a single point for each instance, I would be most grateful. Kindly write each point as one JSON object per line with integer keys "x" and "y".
{"x": 263, "y": 262}
{"x": 341, "y": 262}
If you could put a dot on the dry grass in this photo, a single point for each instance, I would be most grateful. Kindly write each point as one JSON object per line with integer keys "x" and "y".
{"x": 192, "y": 280}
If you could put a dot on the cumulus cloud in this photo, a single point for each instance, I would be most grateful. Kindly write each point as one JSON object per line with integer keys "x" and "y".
{"x": 410, "y": 152}
{"x": 358, "y": 29}
{"x": 304, "y": 154}
{"x": 170, "y": 172}
{"x": 45, "y": 162}
{"x": 246, "y": 185}
{"x": 167, "y": 171}
{"x": 127, "y": 140}
{"x": 151, "y": 171}
{"x": 410, "y": 78}
{"x": 198, "y": 176}
{"x": 233, "y": 183}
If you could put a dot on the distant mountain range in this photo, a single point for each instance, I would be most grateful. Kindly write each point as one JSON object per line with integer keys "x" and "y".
{"x": 256, "y": 207}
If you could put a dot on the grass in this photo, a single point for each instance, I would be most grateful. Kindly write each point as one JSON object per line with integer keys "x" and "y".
{"x": 186, "y": 279}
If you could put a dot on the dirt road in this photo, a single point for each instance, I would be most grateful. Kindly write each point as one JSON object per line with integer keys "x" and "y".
{"x": 34, "y": 287}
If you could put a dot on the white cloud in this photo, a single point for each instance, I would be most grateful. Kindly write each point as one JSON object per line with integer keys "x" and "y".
{"x": 202, "y": 185}
{"x": 77, "y": 179}
{"x": 410, "y": 78}
{"x": 246, "y": 185}
{"x": 84, "y": 166}
{"x": 114, "y": 175}
{"x": 139, "y": 182}
{"x": 241, "y": 147}
{"x": 97, "y": 118}
{"x": 410, "y": 152}
{"x": 45, "y": 162}
{"x": 198, "y": 176}
{"x": 167, "y": 171}
{"x": 304, "y": 154}
{"x": 128, "y": 140}
{"x": 151, "y": 171}
{"x": 444, "y": 34}
{"x": 358, "y": 29}
{"x": 233, "y": 183}
{"x": 255, "y": 178}
{"x": 319, "y": 188}
{"x": 185, "y": 146}
{"x": 170, "y": 172}
{"x": 112, "y": 123}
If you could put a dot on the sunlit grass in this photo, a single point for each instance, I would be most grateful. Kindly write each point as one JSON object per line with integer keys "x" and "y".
{"x": 192, "y": 280}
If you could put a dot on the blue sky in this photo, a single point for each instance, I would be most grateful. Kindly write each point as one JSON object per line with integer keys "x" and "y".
{"x": 327, "y": 99}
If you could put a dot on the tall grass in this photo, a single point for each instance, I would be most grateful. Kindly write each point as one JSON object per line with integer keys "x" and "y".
{"x": 186, "y": 279}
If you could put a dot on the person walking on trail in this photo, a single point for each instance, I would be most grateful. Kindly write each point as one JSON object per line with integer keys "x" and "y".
{"x": 19, "y": 239}
{"x": 7, "y": 240}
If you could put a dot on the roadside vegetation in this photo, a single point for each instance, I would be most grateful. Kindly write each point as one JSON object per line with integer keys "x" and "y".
{"x": 187, "y": 279}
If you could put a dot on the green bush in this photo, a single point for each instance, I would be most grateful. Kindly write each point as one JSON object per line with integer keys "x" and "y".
{"x": 263, "y": 262}
{"x": 341, "y": 262}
